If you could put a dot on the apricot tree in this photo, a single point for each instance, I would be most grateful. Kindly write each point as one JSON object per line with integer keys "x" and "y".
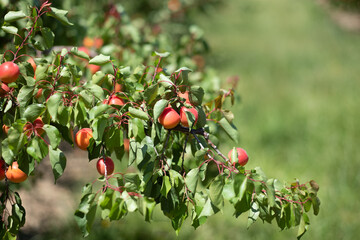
{"x": 136, "y": 108}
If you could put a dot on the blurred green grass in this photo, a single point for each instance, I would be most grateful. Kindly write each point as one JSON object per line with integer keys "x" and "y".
{"x": 299, "y": 83}
{"x": 299, "y": 115}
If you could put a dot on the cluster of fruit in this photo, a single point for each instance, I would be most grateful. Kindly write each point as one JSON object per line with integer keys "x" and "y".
{"x": 169, "y": 119}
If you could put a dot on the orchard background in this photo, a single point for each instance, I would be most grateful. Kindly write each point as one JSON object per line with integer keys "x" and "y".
{"x": 297, "y": 118}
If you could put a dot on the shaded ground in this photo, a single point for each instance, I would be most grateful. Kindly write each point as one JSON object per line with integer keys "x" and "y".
{"x": 48, "y": 204}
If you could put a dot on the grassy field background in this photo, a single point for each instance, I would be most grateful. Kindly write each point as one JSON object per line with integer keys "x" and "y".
{"x": 298, "y": 117}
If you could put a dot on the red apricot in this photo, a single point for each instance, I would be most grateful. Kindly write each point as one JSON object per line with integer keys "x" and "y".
{"x": 169, "y": 118}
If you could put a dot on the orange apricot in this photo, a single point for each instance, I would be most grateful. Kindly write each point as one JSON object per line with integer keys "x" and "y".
{"x": 183, "y": 118}
{"x": 82, "y": 138}
{"x": 169, "y": 118}
{"x": 15, "y": 174}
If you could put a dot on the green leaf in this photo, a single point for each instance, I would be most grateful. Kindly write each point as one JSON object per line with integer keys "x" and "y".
{"x": 184, "y": 74}
{"x": 64, "y": 113}
{"x": 39, "y": 42}
{"x": 10, "y": 29}
{"x": 12, "y": 16}
{"x": 253, "y": 213}
{"x": 228, "y": 115}
{"x": 201, "y": 117}
{"x": 242, "y": 206}
{"x": 150, "y": 93}
{"x": 229, "y": 129}
{"x": 79, "y": 54}
{"x": 163, "y": 55}
{"x": 60, "y": 15}
{"x": 234, "y": 155}
{"x": 208, "y": 210}
{"x": 79, "y": 112}
{"x": 16, "y": 137}
{"x": 131, "y": 204}
{"x": 138, "y": 113}
{"x": 99, "y": 78}
{"x": 137, "y": 127}
{"x": 117, "y": 209}
{"x": 228, "y": 190}
{"x": 159, "y": 108}
{"x": 99, "y": 125}
{"x": 148, "y": 208}
{"x": 96, "y": 90}
{"x": 303, "y": 226}
{"x": 316, "y": 205}
{"x": 8, "y": 106}
{"x": 196, "y": 95}
{"x": 25, "y": 94}
{"x": 58, "y": 162}
{"x": 41, "y": 71}
{"x": 100, "y": 60}
{"x": 37, "y": 149}
{"x": 191, "y": 179}
{"x": 48, "y": 36}
{"x": 87, "y": 98}
{"x": 270, "y": 191}
{"x": 216, "y": 189}
{"x": 53, "y": 135}
{"x": 53, "y": 104}
{"x": 132, "y": 182}
{"x": 33, "y": 111}
{"x": 190, "y": 118}
{"x": 243, "y": 188}
{"x": 7, "y": 153}
{"x": 166, "y": 186}
{"x": 113, "y": 139}
{"x": 105, "y": 199}
{"x": 85, "y": 214}
{"x": 165, "y": 81}
{"x": 94, "y": 150}
{"x": 98, "y": 110}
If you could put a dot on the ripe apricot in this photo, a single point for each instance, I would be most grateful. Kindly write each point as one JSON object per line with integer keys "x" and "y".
{"x": 93, "y": 68}
{"x": 126, "y": 144}
{"x": 33, "y": 64}
{"x": 242, "y": 157}
{"x": 82, "y": 138}
{"x": 174, "y": 5}
{"x": 185, "y": 95}
{"x": 88, "y": 42}
{"x": 9, "y": 72}
{"x": 15, "y": 174}
{"x": 169, "y": 118}
{"x": 118, "y": 87}
{"x": 5, "y": 129}
{"x": 39, "y": 93}
{"x": 183, "y": 118}
{"x": 98, "y": 42}
{"x": 2, "y": 169}
{"x": 84, "y": 49}
{"x": 114, "y": 100}
{"x": 101, "y": 163}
